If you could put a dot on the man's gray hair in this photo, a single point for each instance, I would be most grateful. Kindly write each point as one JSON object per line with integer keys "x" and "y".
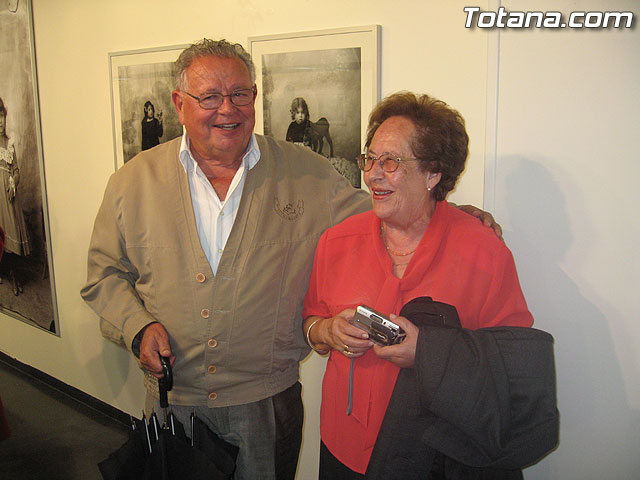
{"x": 214, "y": 48}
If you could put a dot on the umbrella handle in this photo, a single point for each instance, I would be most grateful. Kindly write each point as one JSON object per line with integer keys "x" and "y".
{"x": 165, "y": 383}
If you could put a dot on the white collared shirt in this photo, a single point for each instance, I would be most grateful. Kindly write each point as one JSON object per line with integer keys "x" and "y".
{"x": 214, "y": 218}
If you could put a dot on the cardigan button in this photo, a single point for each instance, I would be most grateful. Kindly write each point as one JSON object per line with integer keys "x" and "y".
{"x": 200, "y": 277}
{"x": 212, "y": 369}
{"x": 212, "y": 342}
{"x": 205, "y": 313}
{"x": 213, "y": 396}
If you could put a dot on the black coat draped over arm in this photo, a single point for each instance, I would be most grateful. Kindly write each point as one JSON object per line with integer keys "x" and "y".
{"x": 478, "y": 404}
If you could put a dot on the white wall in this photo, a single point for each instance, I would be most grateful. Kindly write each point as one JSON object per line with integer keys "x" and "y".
{"x": 574, "y": 255}
{"x": 567, "y": 174}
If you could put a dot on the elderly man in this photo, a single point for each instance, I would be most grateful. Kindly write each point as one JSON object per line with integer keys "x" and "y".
{"x": 202, "y": 251}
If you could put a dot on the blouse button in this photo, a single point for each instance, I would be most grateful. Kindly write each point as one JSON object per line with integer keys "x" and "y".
{"x": 212, "y": 342}
{"x": 213, "y": 396}
{"x": 205, "y": 313}
{"x": 200, "y": 277}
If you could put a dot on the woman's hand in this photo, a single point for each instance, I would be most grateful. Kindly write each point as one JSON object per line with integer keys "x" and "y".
{"x": 402, "y": 354}
{"x": 339, "y": 334}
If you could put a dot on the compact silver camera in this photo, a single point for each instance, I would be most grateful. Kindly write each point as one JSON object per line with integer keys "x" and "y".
{"x": 380, "y": 329}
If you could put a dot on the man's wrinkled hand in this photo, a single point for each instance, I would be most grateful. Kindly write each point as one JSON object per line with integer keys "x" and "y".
{"x": 155, "y": 343}
{"x": 485, "y": 217}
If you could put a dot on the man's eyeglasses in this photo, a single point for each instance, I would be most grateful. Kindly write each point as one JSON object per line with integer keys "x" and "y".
{"x": 388, "y": 161}
{"x": 212, "y": 101}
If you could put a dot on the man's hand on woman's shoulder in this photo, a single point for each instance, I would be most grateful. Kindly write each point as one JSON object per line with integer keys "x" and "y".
{"x": 485, "y": 217}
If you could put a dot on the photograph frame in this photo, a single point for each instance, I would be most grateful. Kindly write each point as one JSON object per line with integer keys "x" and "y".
{"x": 366, "y": 38}
{"x": 34, "y": 265}
{"x": 145, "y": 57}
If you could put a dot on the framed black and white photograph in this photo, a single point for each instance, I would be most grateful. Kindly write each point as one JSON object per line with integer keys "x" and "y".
{"x": 317, "y": 88}
{"x": 142, "y": 111}
{"x": 27, "y": 290}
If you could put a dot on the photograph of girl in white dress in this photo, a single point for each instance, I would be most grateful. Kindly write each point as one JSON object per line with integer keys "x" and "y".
{"x": 26, "y": 281}
{"x": 12, "y": 221}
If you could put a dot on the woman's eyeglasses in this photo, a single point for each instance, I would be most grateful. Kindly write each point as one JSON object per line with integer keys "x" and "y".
{"x": 388, "y": 162}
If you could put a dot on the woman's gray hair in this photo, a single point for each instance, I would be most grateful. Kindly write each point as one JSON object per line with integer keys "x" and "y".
{"x": 214, "y": 48}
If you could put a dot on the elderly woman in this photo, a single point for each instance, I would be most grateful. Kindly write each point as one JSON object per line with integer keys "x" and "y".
{"x": 414, "y": 244}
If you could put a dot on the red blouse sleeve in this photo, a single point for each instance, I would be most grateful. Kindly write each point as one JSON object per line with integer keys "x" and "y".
{"x": 313, "y": 303}
{"x": 505, "y": 304}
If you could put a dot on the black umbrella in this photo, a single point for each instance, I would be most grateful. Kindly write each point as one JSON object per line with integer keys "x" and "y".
{"x": 166, "y": 453}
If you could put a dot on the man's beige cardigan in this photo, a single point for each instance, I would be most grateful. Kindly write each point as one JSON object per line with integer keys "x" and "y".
{"x": 237, "y": 335}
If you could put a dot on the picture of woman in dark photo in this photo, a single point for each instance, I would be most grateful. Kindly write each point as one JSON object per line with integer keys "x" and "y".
{"x": 11, "y": 215}
{"x": 151, "y": 126}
